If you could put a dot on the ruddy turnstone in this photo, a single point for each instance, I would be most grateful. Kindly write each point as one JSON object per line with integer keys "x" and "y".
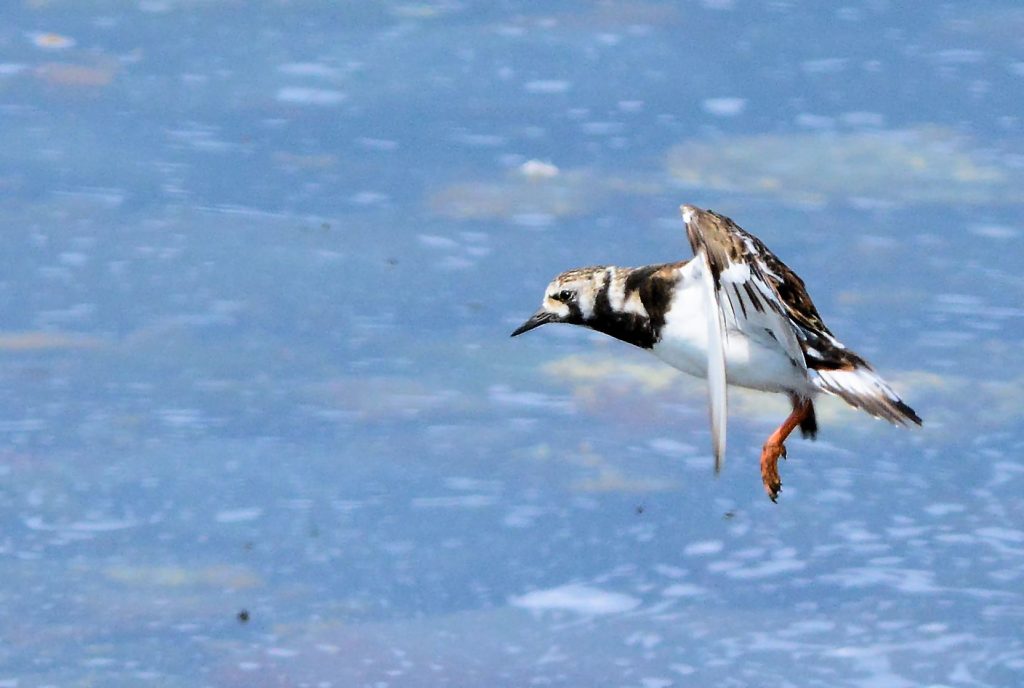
{"x": 733, "y": 314}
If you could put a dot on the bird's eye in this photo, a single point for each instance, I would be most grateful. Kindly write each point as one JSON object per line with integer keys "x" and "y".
{"x": 565, "y": 296}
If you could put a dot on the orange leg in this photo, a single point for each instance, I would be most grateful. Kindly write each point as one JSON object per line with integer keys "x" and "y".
{"x": 774, "y": 447}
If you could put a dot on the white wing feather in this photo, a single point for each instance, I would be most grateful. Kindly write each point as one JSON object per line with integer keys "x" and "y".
{"x": 718, "y": 400}
{"x": 762, "y": 320}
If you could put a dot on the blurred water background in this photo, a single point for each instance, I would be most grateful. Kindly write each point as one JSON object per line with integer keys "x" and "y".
{"x": 261, "y": 423}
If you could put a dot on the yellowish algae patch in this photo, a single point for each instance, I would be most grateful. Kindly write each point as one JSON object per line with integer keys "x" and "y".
{"x": 925, "y": 164}
{"x": 47, "y": 40}
{"x": 595, "y": 378}
{"x": 562, "y": 196}
{"x": 222, "y": 576}
{"x": 534, "y": 190}
{"x": 582, "y": 371}
{"x": 611, "y": 479}
{"x": 381, "y": 398}
{"x": 97, "y": 75}
{"x": 599, "y": 380}
{"x": 608, "y": 477}
{"x": 40, "y": 341}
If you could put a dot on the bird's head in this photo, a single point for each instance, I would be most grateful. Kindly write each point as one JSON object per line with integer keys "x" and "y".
{"x": 570, "y": 298}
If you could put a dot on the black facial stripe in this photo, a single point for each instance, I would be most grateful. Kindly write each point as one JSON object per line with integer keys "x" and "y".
{"x": 654, "y": 293}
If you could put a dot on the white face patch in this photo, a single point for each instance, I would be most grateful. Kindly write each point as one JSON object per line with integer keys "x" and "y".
{"x": 583, "y": 285}
{"x": 585, "y": 298}
{"x": 617, "y": 298}
{"x": 634, "y": 305}
{"x": 616, "y": 290}
{"x": 557, "y": 307}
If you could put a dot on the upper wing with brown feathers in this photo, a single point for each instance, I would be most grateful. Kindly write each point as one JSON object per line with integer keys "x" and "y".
{"x": 756, "y": 293}
{"x": 754, "y": 290}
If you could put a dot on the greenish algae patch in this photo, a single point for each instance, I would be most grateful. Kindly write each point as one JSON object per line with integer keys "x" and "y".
{"x": 916, "y": 165}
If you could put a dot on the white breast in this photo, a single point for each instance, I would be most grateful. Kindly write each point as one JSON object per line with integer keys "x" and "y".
{"x": 753, "y": 359}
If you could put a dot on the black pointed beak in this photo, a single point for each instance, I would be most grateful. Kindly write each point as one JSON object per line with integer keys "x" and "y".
{"x": 536, "y": 320}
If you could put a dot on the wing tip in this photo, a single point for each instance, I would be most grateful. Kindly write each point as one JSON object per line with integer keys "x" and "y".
{"x": 907, "y": 413}
{"x": 862, "y": 388}
{"x": 689, "y": 212}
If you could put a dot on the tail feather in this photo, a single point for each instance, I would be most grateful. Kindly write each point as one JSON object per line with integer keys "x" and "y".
{"x": 862, "y": 388}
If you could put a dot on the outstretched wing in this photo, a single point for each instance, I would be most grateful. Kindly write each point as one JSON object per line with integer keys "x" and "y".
{"x": 751, "y": 291}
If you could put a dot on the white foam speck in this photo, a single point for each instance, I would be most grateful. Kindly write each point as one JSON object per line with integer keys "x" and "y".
{"x": 102, "y": 526}
{"x": 671, "y": 447}
{"x": 943, "y": 509}
{"x": 470, "y": 501}
{"x": 377, "y": 144}
{"x": 581, "y": 599}
{"x": 700, "y": 548}
{"x": 601, "y": 128}
{"x": 955, "y": 56}
{"x": 683, "y": 590}
{"x": 468, "y": 484}
{"x": 480, "y": 140}
{"x": 534, "y": 400}
{"x": 37, "y": 523}
{"x": 522, "y": 516}
{"x": 538, "y": 169}
{"x": 309, "y": 96}
{"x": 533, "y": 220}
{"x": 652, "y": 682}
{"x": 1002, "y": 534}
{"x": 829, "y": 65}
{"x": 767, "y": 569}
{"x": 724, "y": 107}
{"x": 307, "y": 69}
{"x": 238, "y": 515}
{"x": 455, "y": 263}
{"x": 812, "y": 121}
{"x": 368, "y": 198}
{"x": 904, "y": 580}
{"x": 860, "y": 118}
{"x": 991, "y": 231}
{"x": 281, "y": 652}
{"x": 436, "y": 241}
{"x": 546, "y": 86}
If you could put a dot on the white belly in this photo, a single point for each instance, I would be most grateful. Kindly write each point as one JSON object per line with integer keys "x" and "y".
{"x": 757, "y": 362}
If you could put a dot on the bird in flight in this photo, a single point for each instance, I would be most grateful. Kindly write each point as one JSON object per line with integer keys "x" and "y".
{"x": 734, "y": 314}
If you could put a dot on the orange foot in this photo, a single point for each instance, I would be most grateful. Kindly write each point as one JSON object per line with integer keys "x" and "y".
{"x": 770, "y": 454}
